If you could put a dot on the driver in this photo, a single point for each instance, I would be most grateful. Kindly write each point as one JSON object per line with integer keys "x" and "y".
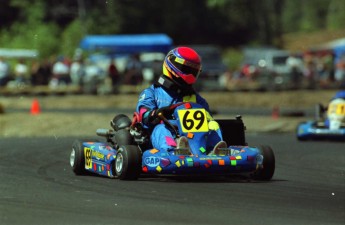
{"x": 336, "y": 111}
{"x": 181, "y": 68}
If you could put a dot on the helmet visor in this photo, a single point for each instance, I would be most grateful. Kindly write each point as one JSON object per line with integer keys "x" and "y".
{"x": 185, "y": 67}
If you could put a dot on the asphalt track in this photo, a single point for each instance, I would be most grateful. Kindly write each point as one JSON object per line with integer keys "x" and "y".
{"x": 37, "y": 186}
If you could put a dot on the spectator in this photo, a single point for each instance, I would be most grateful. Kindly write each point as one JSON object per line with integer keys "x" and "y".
{"x": 33, "y": 72}
{"x": 4, "y": 72}
{"x": 133, "y": 71}
{"x": 310, "y": 72}
{"x": 339, "y": 75}
{"x": 225, "y": 79}
{"x": 41, "y": 73}
{"x": 77, "y": 71}
{"x": 60, "y": 72}
{"x": 295, "y": 65}
{"x": 21, "y": 72}
{"x": 114, "y": 75}
{"x": 94, "y": 76}
{"x": 328, "y": 61}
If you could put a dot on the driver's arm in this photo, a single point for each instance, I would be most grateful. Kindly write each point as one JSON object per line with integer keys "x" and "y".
{"x": 145, "y": 105}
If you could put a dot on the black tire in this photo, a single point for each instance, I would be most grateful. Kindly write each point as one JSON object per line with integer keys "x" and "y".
{"x": 123, "y": 137}
{"x": 120, "y": 122}
{"x": 128, "y": 162}
{"x": 77, "y": 159}
{"x": 267, "y": 171}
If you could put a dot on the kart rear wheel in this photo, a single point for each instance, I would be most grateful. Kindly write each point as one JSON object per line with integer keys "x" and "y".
{"x": 128, "y": 162}
{"x": 266, "y": 172}
{"x": 77, "y": 159}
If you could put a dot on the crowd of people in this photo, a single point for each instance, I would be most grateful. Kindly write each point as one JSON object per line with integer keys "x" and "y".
{"x": 62, "y": 71}
{"x": 317, "y": 70}
{"x": 308, "y": 72}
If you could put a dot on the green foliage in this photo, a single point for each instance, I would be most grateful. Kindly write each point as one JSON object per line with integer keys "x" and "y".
{"x": 105, "y": 19}
{"x": 56, "y": 27}
{"x": 33, "y": 33}
{"x": 71, "y": 37}
{"x": 232, "y": 58}
{"x": 313, "y": 17}
{"x": 41, "y": 37}
{"x": 336, "y": 15}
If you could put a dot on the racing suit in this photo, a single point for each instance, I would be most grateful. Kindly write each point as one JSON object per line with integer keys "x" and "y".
{"x": 155, "y": 97}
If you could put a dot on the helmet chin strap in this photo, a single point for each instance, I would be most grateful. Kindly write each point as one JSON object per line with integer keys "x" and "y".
{"x": 169, "y": 84}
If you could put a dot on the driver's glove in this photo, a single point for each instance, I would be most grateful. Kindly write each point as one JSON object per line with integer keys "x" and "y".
{"x": 152, "y": 117}
{"x": 213, "y": 125}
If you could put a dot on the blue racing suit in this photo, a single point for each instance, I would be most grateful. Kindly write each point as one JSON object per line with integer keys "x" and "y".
{"x": 155, "y": 97}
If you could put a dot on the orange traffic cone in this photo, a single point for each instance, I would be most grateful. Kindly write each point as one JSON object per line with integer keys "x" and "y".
{"x": 35, "y": 107}
{"x": 275, "y": 112}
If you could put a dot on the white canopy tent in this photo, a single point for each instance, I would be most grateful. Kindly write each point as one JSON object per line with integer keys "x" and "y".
{"x": 18, "y": 53}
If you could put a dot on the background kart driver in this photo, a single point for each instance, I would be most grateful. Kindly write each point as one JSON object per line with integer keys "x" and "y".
{"x": 181, "y": 68}
{"x": 336, "y": 111}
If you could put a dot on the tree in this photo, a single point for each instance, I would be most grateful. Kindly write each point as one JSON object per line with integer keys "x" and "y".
{"x": 57, "y": 26}
{"x": 29, "y": 30}
{"x": 335, "y": 14}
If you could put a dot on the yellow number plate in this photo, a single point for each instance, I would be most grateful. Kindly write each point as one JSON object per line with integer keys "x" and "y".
{"x": 88, "y": 158}
{"x": 337, "y": 108}
{"x": 193, "y": 120}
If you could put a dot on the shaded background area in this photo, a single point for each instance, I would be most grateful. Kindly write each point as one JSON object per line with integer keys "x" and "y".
{"x": 57, "y": 26}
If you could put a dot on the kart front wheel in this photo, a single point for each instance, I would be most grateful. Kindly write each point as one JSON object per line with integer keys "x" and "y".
{"x": 77, "y": 159}
{"x": 268, "y": 166}
{"x": 128, "y": 162}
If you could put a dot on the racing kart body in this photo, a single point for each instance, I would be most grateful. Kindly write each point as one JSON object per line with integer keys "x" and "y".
{"x": 329, "y": 123}
{"x": 127, "y": 152}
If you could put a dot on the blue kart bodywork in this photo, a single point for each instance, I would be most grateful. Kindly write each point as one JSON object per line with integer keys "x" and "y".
{"x": 329, "y": 121}
{"x": 131, "y": 160}
{"x": 310, "y": 130}
{"x": 100, "y": 158}
{"x": 243, "y": 159}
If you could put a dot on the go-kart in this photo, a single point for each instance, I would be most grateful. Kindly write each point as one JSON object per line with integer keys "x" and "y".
{"x": 127, "y": 152}
{"x": 329, "y": 123}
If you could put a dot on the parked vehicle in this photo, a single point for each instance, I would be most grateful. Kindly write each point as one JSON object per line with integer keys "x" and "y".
{"x": 213, "y": 67}
{"x": 267, "y": 68}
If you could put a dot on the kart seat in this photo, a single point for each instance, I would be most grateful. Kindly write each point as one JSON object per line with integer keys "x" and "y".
{"x": 233, "y": 131}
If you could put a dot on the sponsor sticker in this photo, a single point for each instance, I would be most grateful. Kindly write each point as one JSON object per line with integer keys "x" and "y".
{"x": 152, "y": 161}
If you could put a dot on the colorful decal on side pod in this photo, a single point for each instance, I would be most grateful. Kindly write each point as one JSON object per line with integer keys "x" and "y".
{"x": 88, "y": 158}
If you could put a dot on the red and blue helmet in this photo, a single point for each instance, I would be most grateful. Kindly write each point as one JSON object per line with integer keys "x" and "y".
{"x": 182, "y": 65}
